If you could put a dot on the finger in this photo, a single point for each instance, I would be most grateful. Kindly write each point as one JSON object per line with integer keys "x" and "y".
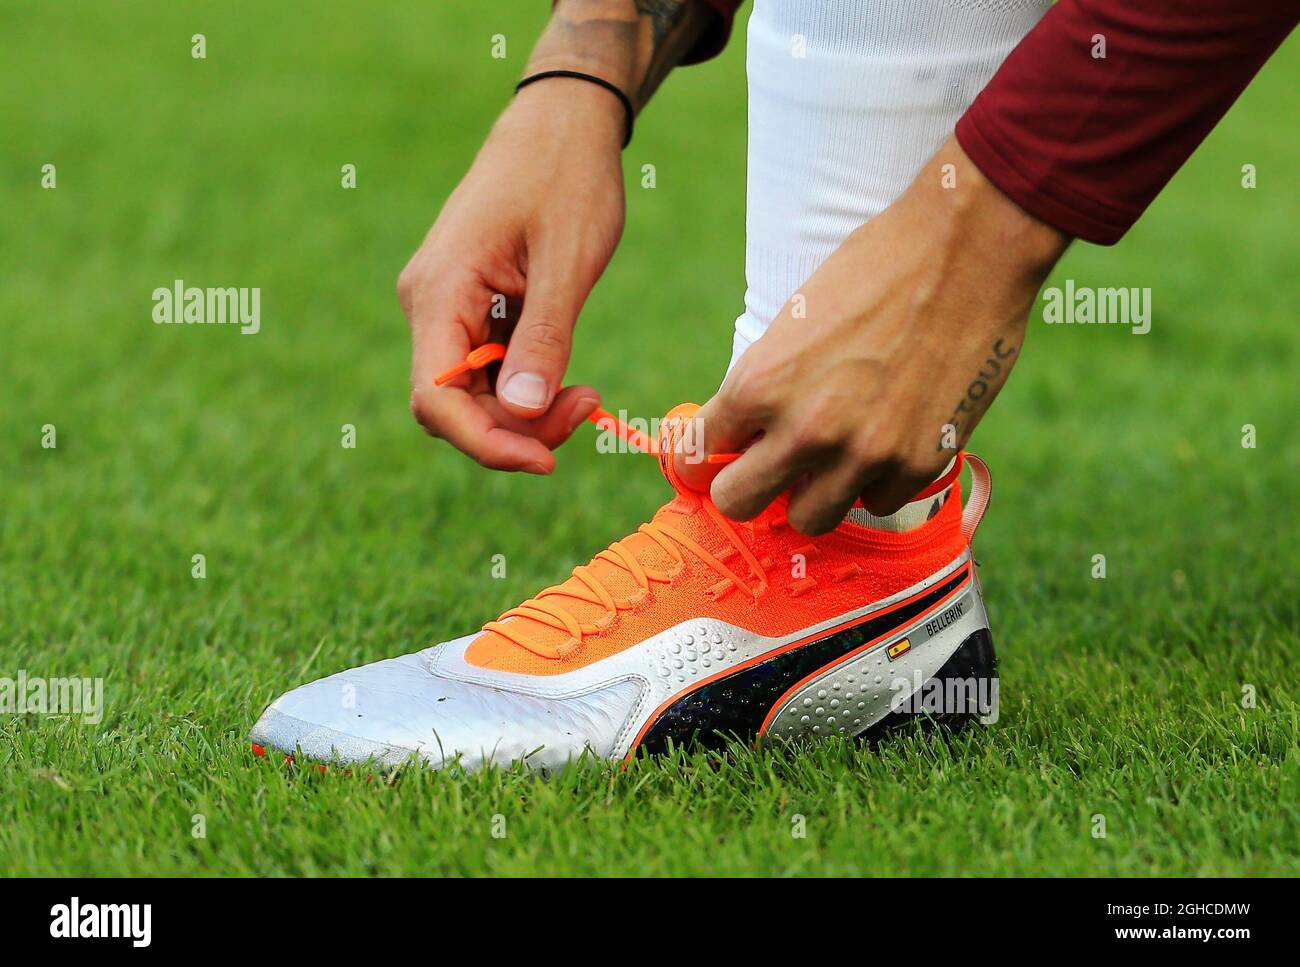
{"x": 820, "y": 503}
{"x": 448, "y": 318}
{"x": 736, "y": 414}
{"x": 890, "y": 491}
{"x": 455, "y": 416}
{"x": 570, "y": 409}
{"x": 742, "y": 490}
{"x": 727, "y": 425}
{"x": 539, "y": 348}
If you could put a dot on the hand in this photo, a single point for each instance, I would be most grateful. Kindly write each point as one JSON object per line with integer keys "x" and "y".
{"x": 533, "y": 223}
{"x": 875, "y": 373}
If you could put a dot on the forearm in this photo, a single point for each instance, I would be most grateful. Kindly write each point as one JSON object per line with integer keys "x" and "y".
{"x": 633, "y": 44}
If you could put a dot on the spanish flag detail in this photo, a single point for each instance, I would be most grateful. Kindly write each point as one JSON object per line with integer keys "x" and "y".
{"x": 899, "y": 648}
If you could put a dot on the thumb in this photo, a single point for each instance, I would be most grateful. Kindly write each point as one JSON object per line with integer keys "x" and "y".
{"x": 539, "y": 348}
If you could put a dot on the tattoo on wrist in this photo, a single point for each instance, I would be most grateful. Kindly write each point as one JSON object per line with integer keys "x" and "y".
{"x": 638, "y": 42}
{"x": 992, "y": 373}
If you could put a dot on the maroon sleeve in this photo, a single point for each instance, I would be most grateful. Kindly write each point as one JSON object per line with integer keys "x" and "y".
{"x": 716, "y": 38}
{"x": 1085, "y": 142}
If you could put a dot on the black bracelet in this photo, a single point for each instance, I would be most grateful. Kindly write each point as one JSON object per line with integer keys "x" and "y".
{"x": 599, "y": 81}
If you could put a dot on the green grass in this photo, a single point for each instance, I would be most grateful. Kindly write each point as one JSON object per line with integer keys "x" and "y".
{"x": 1121, "y": 697}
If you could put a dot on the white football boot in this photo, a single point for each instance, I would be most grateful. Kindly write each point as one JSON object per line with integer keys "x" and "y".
{"x": 693, "y": 629}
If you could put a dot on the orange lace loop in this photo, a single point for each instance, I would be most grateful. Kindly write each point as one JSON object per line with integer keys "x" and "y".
{"x": 673, "y": 427}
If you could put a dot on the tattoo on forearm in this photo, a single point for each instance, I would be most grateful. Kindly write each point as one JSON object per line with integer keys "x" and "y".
{"x": 668, "y": 42}
{"x": 640, "y": 41}
{"x": 975, "y": 400}
{"x": 665, "y": 16}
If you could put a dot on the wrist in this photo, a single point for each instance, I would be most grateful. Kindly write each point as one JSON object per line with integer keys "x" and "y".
{"x": 607, "y": 65}
{"x": 574, "y": 108}
{"x": 973, "y": 211}
{"x": 1037, "y": 245}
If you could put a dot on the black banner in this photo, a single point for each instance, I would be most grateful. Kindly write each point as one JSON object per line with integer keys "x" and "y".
{"x": 215, "y": 916}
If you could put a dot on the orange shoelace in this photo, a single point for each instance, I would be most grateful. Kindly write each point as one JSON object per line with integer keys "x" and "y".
{"x": 494, "y": 352}
{"x": 548, "y": 607}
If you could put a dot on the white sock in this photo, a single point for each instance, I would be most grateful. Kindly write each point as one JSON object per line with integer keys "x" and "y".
{"x": 905, "y": 518}
{"x": 847, "y": 100}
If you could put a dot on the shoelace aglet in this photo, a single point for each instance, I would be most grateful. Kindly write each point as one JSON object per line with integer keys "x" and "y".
{"x": 484, "y": 355}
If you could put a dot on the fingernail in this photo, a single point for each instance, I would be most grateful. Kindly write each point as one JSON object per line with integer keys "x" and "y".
{"x": 581, "y": 410}
{"x": 536, "y": 468}
{"x": 525, "y": 389}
